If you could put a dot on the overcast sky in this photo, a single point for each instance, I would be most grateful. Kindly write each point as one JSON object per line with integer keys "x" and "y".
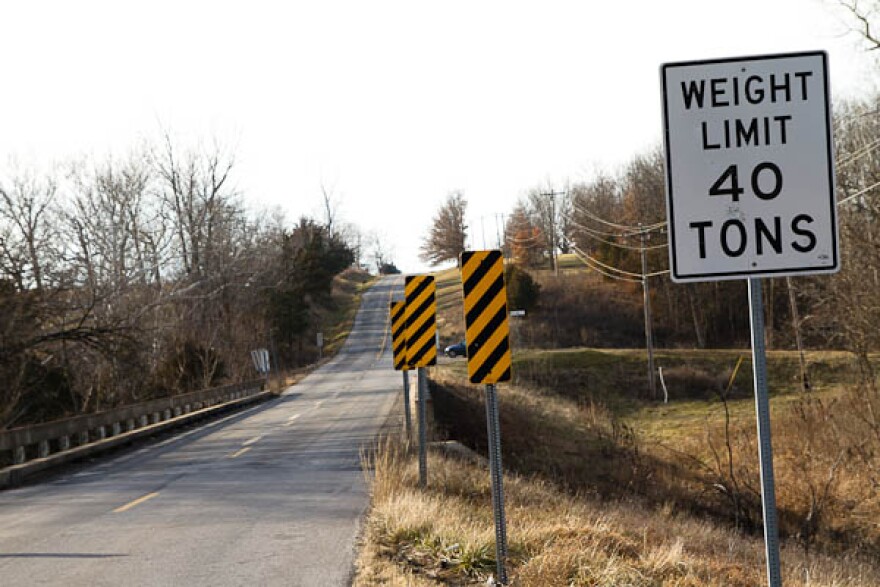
{"x": 391, "y": 105}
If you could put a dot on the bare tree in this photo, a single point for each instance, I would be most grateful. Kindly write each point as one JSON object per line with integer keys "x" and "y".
{"x": 864, "y": 18}
{"x": 542, "y": 206}
{"x": 643, "y": 189}
{"x": 354, "y": 237}
{"x": 108, "y": 219}
{"x": 26, "y": 211}
{"x": 590, "y": 204}
{"x": 381, "y": 252}
{"x": 330, "y": 202}
{"x": 847, "y": 305}
{"x": 448, "y": 233}
{"x": 195, "y": 186}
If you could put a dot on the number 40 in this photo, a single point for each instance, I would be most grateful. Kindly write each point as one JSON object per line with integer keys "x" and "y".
{"x": 728, "y": 183}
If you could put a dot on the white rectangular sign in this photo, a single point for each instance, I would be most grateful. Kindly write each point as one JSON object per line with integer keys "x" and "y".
{"x": 260, "y": 357}
{"x": 749, "y": 167}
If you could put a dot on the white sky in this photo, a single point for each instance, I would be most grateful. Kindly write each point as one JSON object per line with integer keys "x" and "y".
{"x": 390, "y": 104}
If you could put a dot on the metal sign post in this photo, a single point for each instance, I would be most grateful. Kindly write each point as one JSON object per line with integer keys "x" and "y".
{"x": 420, "y": 316}
{"x": 397, "y": 312}
{"x": 423, "y": 428}
{"x": 489, "y": 361}
{"x": 497, "y": 474}
{"x": 407, "y": 417}
{"x": 765, "y": 447}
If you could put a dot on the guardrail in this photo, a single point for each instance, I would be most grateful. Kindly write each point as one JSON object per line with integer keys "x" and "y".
{"x": 28, "y": 449}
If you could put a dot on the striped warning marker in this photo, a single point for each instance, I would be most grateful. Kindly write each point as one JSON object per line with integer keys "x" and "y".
{"x": 485, "y": 316}
{"x": 398, "y": 335}
{"x": 421, "y": 320}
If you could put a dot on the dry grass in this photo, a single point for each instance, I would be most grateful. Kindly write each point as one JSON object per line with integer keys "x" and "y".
{"x": 825, "y": 458}
{"x": 666, "y": 515}
{"x": 577, "y": 425}
{"x": 445, "y": 535}
{"x": 450, "y": 301}
{"x": 576, "y": 444}
{"x": 826, "y": 443}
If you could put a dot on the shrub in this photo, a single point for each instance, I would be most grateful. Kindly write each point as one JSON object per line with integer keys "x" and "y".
{"x": 523, "y": 291}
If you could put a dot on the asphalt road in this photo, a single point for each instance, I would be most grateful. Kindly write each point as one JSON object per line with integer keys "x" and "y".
{"x": 273, "y": 495}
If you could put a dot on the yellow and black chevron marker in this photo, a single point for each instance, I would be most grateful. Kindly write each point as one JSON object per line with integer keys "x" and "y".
{"x": 398, "y": 335}
{"x": 421, "y": 320}
{"x": 485, "y": 316}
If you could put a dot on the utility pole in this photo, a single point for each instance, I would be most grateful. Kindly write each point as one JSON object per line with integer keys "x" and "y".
{"x": 504, "y": 246}
{"x": 796, "y": 323}
{"x": 649, "y": 338}
{"x": 553, "y": 195}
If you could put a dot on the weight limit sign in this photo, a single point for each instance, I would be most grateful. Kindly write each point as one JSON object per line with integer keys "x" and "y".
{"x": 485, "y": 316}
{"x": 749, "y": 167}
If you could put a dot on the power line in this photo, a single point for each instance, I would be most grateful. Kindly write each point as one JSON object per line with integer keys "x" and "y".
{"x": 523, "y": 239}
{"x": 597, "y": 231}
{"x": 623, "y": 227}
{"x": 593, "y": 235}
{"x": 656, "y": 273}
{"x": 587, "y": 259}
{"x": 858, "y": 193}
{"x": 608, "y": 267}
{"x": 579, "y": 254}
{"x": 858, "y": 153}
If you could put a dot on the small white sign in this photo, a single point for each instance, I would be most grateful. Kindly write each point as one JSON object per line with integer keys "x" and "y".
{"x": 320, "y": 340}
{"x": 260, "y": 357}
{"x": 749, "y": 167}
{"x": 517, "y": 313}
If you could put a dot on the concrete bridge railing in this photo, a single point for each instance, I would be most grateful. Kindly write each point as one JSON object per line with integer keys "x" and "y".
{"x": 29, "y": 449}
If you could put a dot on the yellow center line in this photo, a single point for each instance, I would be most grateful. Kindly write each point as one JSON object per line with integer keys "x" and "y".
{"x": 252, "y": 440}
{"x": 138, "y": 501}
{"x": 239, "y": 452}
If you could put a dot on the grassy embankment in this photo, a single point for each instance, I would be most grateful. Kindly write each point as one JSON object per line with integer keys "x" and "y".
{"x": 605, "y": 488}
